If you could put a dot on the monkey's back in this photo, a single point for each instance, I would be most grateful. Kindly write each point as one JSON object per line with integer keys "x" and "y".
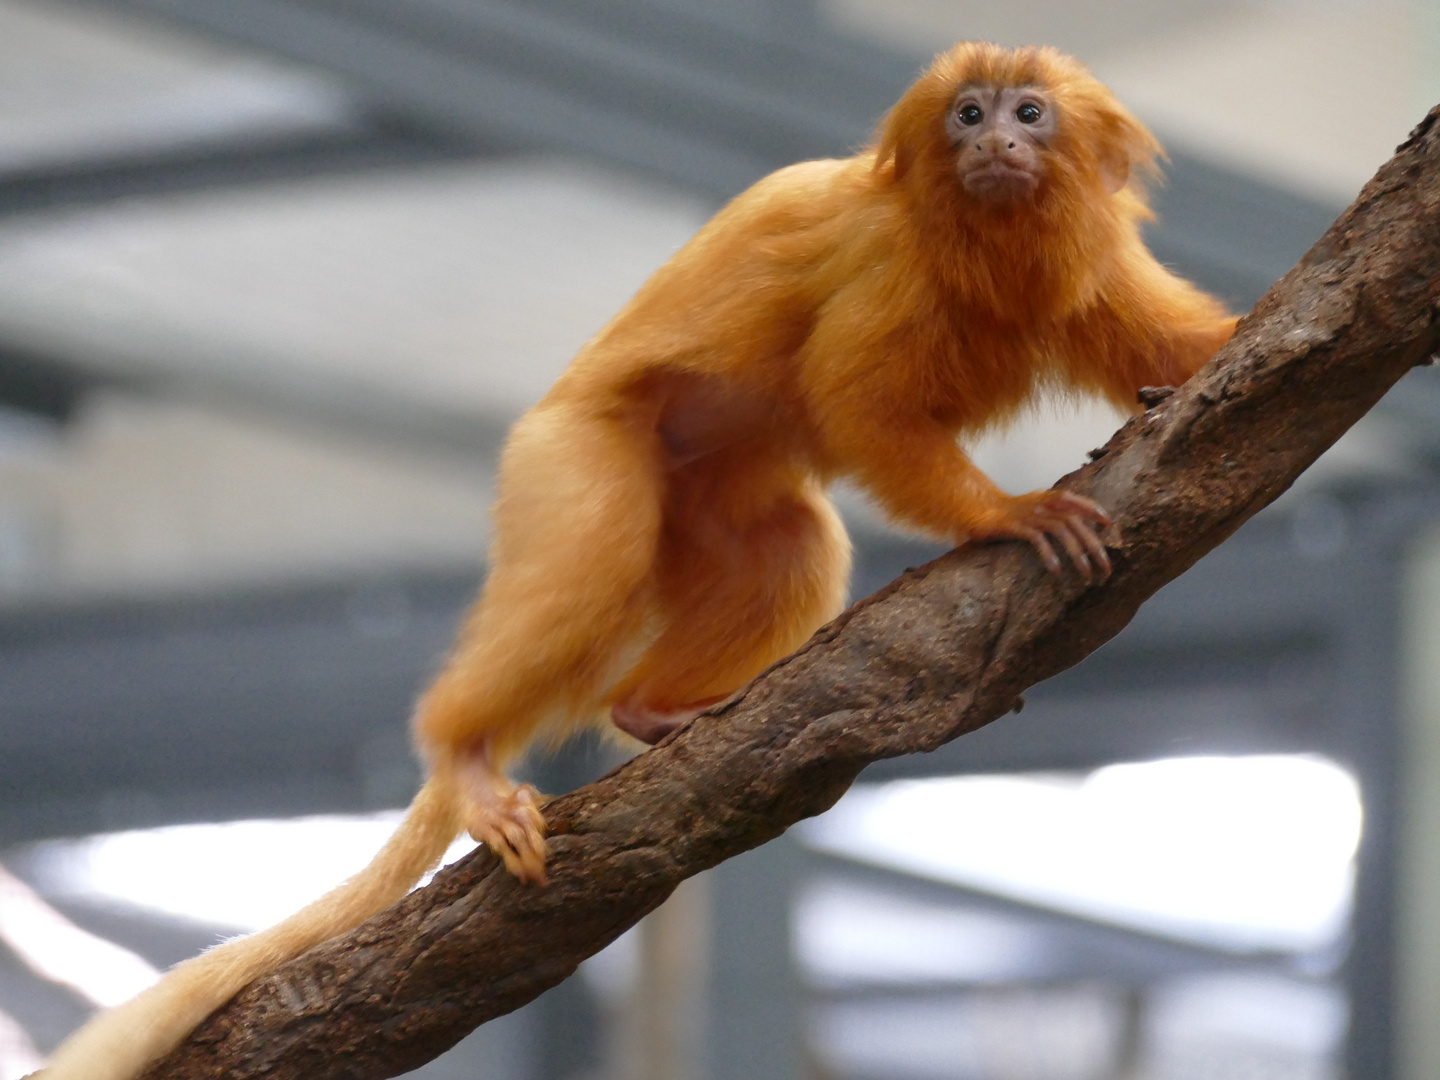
{"x": 741, "y": 297}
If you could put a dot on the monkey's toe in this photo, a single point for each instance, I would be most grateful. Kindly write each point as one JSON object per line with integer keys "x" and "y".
{"x": 513, "y": 827}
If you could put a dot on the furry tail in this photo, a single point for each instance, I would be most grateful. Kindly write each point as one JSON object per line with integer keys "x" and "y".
{"x": 119, "y": 1043}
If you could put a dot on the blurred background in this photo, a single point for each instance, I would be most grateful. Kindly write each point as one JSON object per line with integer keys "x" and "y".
{"x": 275, "y": 276}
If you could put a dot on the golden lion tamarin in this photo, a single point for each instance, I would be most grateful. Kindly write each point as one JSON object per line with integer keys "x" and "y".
{"x": 662, "y": 532}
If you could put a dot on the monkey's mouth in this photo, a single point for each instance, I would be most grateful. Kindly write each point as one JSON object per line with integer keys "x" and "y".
{"x": 999, "y": 181}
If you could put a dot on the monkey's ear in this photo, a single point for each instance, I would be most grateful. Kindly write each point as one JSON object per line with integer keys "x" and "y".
{"x": 915, "y": 127}
{"x": 903, "y": 158}
{"x": 892, "y": 152}
{"x": 1114, "y": 168}
{"x": 1125, "y": 149}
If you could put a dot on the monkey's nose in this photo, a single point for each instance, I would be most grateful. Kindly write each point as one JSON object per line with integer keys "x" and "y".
{"x": 994, "y": 143}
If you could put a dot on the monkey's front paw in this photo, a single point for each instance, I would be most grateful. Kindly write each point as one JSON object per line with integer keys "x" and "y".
{"x": 513, "y": 827}
{"x": 1073, "y": 520}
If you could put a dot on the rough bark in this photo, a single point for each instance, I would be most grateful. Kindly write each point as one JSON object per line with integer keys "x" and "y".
{"x": 944, "y": 650}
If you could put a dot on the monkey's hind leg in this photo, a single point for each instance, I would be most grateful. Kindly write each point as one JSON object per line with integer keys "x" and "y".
{"x": 568, "y": 594}
{"x": 735, "y": 596}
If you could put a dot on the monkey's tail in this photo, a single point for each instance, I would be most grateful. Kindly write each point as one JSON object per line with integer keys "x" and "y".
{"x": 119, "y": 1043}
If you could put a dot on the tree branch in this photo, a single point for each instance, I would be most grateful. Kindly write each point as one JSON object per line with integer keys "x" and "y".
{"x": 945, "y": 650}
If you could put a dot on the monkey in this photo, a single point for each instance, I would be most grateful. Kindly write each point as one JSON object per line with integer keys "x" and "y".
{"x": 662, "y": 533}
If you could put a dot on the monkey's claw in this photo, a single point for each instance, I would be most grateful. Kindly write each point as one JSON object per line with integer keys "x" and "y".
{"x": 1075, "y": 522}
{"x": 513, "y": 827}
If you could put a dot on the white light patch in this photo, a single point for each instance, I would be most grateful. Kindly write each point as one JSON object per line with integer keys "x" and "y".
{"x": 846, "y": 933}
{"x": 56, "y": 949}
{"x": 240, "y": 875}
{"x": 1198, "y": 1015}
{"x": 18, "y": 1054}
{"x": 1244, "y": 853}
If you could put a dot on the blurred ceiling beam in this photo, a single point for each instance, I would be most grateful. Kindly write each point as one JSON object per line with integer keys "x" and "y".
{"x": 83, "y": 179}
{"x": 696, "y": 99}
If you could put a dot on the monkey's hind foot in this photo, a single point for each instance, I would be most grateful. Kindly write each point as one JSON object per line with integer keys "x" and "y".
{"x": 651, "y": 725}
{"x": 513, "y": 827}
{"x": 505, "y": 817}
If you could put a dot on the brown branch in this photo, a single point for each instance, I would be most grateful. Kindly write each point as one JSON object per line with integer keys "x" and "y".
{"x": 946, "y": 649}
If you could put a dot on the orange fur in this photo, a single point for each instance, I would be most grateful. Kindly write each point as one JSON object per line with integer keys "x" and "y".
{"x": 844, "y": 317}
{"x": 662, "y": 533}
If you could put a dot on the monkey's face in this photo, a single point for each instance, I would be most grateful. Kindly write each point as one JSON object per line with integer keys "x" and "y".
{"x": 999, "y": 135}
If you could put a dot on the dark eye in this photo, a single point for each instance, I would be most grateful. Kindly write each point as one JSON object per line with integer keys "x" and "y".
{"x": 1029, "y": 113}
{"x": 970, "y": 115}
